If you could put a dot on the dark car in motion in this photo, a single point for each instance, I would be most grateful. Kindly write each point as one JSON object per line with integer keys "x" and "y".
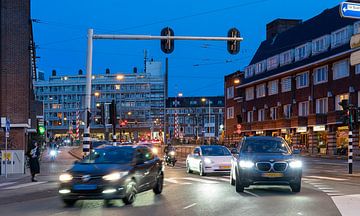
{"x": 265, "y": 160}
{"x": 112, "y": 172}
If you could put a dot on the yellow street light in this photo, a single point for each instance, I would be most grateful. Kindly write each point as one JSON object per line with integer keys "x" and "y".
{"x": 236, "y": 81}
{"x": 129, "y": 113}
{"x": 120, "y": 77}
{"x": 97, "y": 94}
{"x": 203, "y": 99}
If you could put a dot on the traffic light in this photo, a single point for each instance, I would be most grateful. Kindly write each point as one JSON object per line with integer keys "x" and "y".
{"x": 40, "y": 126}
{"x": 167, "y": 45}
{"x": 101, "y": 111}
{"x": 113, "y": 112}
{"x": 88, "y": 118}
{"x": 233, "y": 46}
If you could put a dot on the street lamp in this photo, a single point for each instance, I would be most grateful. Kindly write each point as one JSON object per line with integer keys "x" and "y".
{"x": 120, "y": 77}
{"x": 97, "y": 94}
{"x": 204, "y": 100}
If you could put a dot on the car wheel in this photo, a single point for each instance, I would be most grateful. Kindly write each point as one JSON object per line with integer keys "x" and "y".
{"x": 239, "y": 187}
{"x": 108, "y": 203}
{"x": 232, "y": 181}
{"x": 130, "y": 193}
{"x": 69, "y": 202}
{"x": 159, "y": 184}
{"x": 188, "y": 170}
{"x": 296, "y": 187}
{"x": 201, "y": 168}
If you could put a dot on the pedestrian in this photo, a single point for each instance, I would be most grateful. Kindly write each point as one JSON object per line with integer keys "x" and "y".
{"x": 34, "y": 154}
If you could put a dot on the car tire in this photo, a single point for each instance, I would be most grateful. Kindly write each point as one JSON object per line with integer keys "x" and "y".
{"x": 159, "y": 184}
{"x": 239, "y": 187}
{"x": 232, "y": 181}
{"x": 108, "y": 203}
{"x": 201, "y": 170}
{"x": 69, "y": 202}
{"x": 130, "y": 193}
{"x": 188, "y": 170}
{"x": 296, "y": 187}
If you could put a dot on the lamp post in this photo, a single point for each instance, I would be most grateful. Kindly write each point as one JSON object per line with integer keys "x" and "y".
{"x": 204, "y": 101}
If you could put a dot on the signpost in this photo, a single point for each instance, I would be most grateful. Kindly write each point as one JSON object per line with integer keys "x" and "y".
{"x": 350, "y": 10}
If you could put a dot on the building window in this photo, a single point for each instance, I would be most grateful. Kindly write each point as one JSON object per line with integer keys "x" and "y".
{"x": 260, "y": 91}
{"x": 230, "y": 92}
{"x": 273, "y": 113}
{"x": 304, "y": 108}
{"x": 340, "y": 69}
{"x": 302, "y": 80}
{"x": 260, "y": 67}
{"x": 230, "y": 113}
{"x": 250, "y": 116}
{"x": 322, "y": 106}
{"x": 286, "y": 57}
{"x": 302, "y": 51}
{"x": 321, "y": 44}
{"x": 249, "y": 93}
{"x": 357, "y": 69}
{"x": 261, "y": 115}
{"x": 273, "y": 87}
{"x": 286, "y": 84}
{"x": 287, "y": 111}
{"x": 338, "y": 99}
{"x": 358, "y": 98}
{"x": 320, "y": 75}
{"x": 249, "y": 71}
{"x": 341, "y": 36}
{"x": 193, "y": 102}
{"x": 273, "y": 62}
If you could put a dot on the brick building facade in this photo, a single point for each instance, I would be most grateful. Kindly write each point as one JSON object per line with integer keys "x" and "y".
{"x": 296, "y": 79}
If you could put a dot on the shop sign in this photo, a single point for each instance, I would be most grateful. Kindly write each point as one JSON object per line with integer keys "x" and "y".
{"x": 343, "y": 128}
{"x": 319, "y": 128}
{"x": 301, "y": 129}
{"x": 259, "y": 132}
{"x": 283, "y": 130}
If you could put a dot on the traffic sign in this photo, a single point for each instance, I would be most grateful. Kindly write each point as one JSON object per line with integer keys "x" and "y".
{"x": 7, "y": 128}
{"x": 350, "y": 10}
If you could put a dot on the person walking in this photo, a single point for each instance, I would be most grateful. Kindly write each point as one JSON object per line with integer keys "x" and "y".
{"x": 34, "y": 154}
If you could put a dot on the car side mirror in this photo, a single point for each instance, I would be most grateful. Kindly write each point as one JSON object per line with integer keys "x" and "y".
{"x": 234, "y": 151}
{"x": 296, "y": 151}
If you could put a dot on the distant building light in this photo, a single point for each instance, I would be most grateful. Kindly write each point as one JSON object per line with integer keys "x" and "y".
{"x": 93, "y": 77}
{"x": 180, "y": 94}
{"x": 236, "y": 81}
{"x": 120, "y": 77}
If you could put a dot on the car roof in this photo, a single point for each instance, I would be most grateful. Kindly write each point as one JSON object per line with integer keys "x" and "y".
{"x": 109, "y": 148}
{"x": 263, "y": 138}
{"x": 202, "y": 146}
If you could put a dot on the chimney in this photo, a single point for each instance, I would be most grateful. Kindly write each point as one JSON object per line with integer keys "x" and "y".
{"x": 280, "y": 25}
{"x": 135, "y": 69}
{"x": 107, "y": 71}
{"x": 80, "y": 72}
{"x": 53, "y": 73}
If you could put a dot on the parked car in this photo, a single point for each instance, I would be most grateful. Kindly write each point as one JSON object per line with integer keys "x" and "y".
{"x": 112, "y": 172}
{"x": 209, "y": 159}
{"x": 265, "y": 160}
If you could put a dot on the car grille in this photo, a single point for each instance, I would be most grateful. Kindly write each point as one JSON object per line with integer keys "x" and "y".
{"x": 263, "y": 166}
{"x": 280, "y": 167}
{"x": 275, "y": 167}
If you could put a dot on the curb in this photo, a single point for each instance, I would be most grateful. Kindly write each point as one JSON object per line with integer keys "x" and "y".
{"x": 74, "y": 154}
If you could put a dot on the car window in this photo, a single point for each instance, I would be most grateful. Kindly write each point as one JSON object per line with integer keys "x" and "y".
{"x": 265, "y": 146}
{"x": 215, "y": 151}
{"x": 148, "y": 154}
{"x": 196, "y": 151}
{"x": 103, "y": 156}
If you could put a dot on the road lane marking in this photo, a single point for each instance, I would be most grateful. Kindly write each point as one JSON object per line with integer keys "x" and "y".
{"x": 23, "y": 185}
{"x": 251, "y": 193}
{"x": 331, "y": 191}
{"x": 189, "y": 206}
{"x": 327, "y": 178}
{"x": 335, "y": 194}
{"x": 6, "y": 184}
{"x": 201, "y": 180}
{"x": 174, "y": 181}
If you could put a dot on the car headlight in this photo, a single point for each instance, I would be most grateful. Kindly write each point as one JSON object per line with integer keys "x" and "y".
{"x": 65, "y": 177}
{"x": 114, "y": 176}
{"x": 208, "y": 161}
{"x": 172, "y": 153}
{"x": 246, "y": 164}
{"x": 52, "y": 153}
{"x": 154, "y": 151}
{"x": 295, "y": 164}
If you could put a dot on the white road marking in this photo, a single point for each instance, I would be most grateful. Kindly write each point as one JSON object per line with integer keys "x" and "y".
{"x": 174, "y": 181}
{"x": 348, "y": 205}
{"x": 251, "y": 193}
{"x": 331, "y": 191}
{"x": 324, "y": 188}
{"x": 189, "y": 206}
{"x": 23, "y": 185}
{"x": 200, "y": 180}
{"x": 6, "y": 183}
{"x": 328, "y": 178}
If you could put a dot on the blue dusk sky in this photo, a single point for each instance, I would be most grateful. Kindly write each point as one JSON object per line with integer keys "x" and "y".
{"x": 196, "y": 68}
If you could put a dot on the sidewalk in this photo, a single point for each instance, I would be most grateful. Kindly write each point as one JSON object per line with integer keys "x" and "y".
{"x": 14, "y": 177}
{"x": 334, "y": 157}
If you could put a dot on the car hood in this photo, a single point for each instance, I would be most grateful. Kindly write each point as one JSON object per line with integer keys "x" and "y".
{"x": 266, "y": 157}
{"x": 219, "y": 159}
{"x": 97, "y": 169}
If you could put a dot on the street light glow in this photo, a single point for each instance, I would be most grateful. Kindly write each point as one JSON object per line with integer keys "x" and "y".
{"x": 129, "y": 113}
{"x": 97, "y": 94}
{"x": 120, "y": 77}
{"x": 203, "y": 99}
{"x": 180, "y": 94}
{"x": 236, "y": 81}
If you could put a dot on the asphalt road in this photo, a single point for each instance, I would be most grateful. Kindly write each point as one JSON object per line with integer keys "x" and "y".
{"x": 327, "y": 190}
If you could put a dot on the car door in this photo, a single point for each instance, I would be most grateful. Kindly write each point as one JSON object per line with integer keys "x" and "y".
{"x": 196, "y": 158}
{"x": 142, "y": 170}
{"x": 153, "y": 164}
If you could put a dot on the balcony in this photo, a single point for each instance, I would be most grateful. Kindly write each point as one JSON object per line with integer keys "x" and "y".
{"x": 299, "y": 121}
{"x": 317, "y": 119}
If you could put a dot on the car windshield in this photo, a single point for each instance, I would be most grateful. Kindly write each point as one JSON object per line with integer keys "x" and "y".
{"x": 265, "y": 146}
{"x": 215, "y": 151}
{"x": 104, "y": 156}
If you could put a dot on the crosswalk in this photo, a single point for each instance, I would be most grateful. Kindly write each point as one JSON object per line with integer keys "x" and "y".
{"x": 16, "y": 185}
{"x": 193, "y": 180}
{"x": 318, "y": 183}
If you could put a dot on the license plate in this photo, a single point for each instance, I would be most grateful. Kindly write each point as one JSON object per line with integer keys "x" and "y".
{"x": 272, "y": 175}
{"x": 84, "y": 187}
{"x": 225, "y": 167}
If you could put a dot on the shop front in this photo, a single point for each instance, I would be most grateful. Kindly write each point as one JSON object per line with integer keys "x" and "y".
{"x": 303, "y": 138}
{"x": 342, "y": 140}
{"x": 320, "y": 135}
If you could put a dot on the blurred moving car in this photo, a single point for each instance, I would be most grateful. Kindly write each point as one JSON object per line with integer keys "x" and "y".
{"x": 265, "y": 160}
{"x": 209, "y": 159}
{"x": 112, "y": 172}
{"x": 150, "y": 145}
{"x": 99, "y": 143}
